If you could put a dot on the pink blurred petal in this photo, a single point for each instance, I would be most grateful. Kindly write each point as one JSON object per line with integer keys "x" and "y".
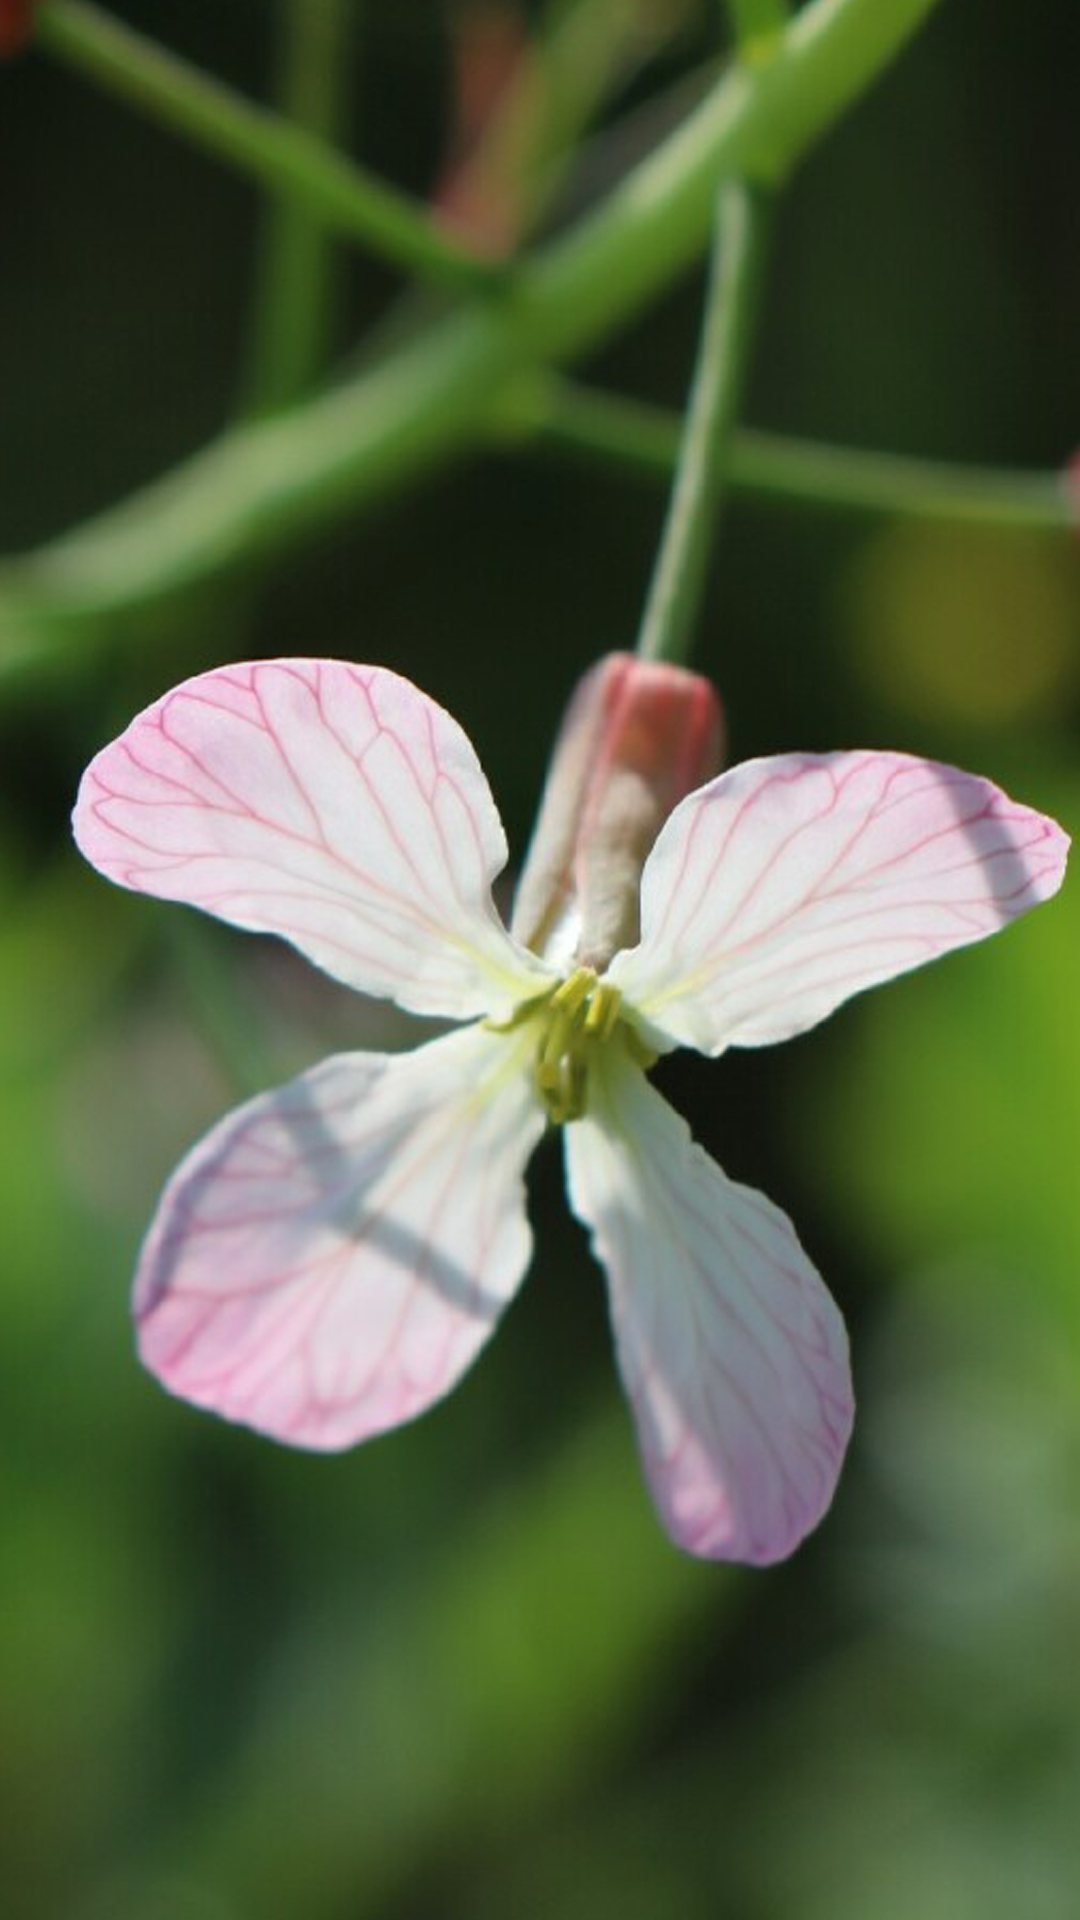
{"x": 733, "y": 1354}
{"x": 499, "y": 84}
{"x": 334, "y": 805}
{"x": 16, "y": 21}
{"x": 789, "y": 884}
{"x": 329, "y": 1260}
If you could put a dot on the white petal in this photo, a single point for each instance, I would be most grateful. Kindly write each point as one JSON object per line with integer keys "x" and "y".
{"x": 789, "y": 884}
{"x": 329, "y": 1259}
{"x": 332, "y": 804}
{"x": 733, "y": 1353}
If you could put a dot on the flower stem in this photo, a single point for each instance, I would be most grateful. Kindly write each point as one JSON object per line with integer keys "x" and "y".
{"x": 260, "y": 487}
{"x": 283, "y": 157}
{"x": 758, "y": 26}
{"x": 290, "y": 335}
{"x": 780, "y": 470}
{"x": 735, "y": 276}
{"x": 756, "y": 124}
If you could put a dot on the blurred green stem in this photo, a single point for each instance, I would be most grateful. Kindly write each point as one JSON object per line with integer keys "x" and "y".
{"x": 290, "y": 338}
{"x": 777, "y": 469}
{"x": 262, "y": 486}
{"x": 731, "y": 301}
{"x": 758, "y": 26}
{"x": 280, "y": 156}
{"x": 577, "y": 54}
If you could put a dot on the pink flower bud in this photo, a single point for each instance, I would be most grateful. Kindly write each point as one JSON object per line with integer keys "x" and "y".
{"x": 15, "y": 23}
{"x": 637, "y": 737}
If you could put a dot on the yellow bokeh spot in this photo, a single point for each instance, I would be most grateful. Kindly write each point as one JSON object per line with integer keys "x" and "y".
{"x": 965, "y": 625}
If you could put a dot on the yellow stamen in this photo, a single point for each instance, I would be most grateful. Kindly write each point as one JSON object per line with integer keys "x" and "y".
{"x": 526, "y": 1010}
{"x": 575, "y": 990}
{"x": 602, "y": 1017}
{"x": 572, "y": 1021}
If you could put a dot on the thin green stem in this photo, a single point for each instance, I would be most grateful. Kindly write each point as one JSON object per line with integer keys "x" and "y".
{"x": 778, "y": 470}
{"x": 755, "y": 125}
{"x": 758, "y": 26}
{"x": 262, "y": 487}
{"x": 278, "y": 155}
{"x": 731, "y": 302}
{"x": 293, "y": 309}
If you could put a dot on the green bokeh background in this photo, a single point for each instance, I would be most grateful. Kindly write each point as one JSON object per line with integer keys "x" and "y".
{"x": 460, "y": 1672}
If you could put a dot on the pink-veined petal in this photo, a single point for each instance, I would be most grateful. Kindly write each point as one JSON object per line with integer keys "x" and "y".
{"x": 789, "y": 884}
{"x": 733, "y": 1354}
{"x": 334, "y": 805}
{"x": 329, "y": 1259}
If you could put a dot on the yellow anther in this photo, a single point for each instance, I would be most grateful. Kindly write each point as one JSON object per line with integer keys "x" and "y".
{"x": 557, "y": 1038}
{"x": 570, "y": 1022}
{"x": 549, "y": 1077}
{"x": 575, "y": 990}
{"x": 603, "y": 1015}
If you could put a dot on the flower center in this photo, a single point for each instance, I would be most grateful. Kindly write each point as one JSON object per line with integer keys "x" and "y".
{"x": 571, "y": 1023}
{"x": 579, "y": 1017}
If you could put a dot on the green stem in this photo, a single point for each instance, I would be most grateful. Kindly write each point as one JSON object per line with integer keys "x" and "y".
{"x": 758, "y": 26}
{"x": 261, "y": 487}
{"x": 755, "y": 125}
{"x": 290, "y": 340}
{"x": 678, "y": 581}
{"x": 284, "y": 158}
{"x": 777, "y": 469}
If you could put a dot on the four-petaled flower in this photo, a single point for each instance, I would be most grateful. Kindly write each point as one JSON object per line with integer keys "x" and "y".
{"x": 331, "y": 1257}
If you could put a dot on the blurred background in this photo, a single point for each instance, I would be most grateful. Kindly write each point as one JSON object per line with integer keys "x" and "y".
{"x": 461, "y": 1672}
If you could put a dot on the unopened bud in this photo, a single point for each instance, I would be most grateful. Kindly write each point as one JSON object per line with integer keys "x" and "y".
{"x": 15, "y": 24}
{"x": 637, "y": 737}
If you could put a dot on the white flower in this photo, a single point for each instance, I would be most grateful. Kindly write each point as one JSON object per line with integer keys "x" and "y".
{"x": 331, "y": 1257}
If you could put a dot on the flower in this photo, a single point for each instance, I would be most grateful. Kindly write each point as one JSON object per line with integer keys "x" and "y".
{"x": 331, "y": 1257}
